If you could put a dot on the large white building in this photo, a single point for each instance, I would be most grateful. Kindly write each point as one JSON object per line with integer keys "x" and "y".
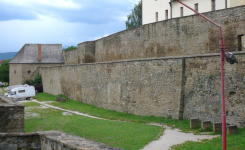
{"x": 158, "y": 10}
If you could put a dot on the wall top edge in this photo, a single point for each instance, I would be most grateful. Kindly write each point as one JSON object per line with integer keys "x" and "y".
{"x": 148, "y": 59}
{"x": 18, "y": 134}
{"x": 173, "y": 19}
{"x": 85, "y": 42}
{"x": 9, "y": 103}
{"x": 37, "y": 63}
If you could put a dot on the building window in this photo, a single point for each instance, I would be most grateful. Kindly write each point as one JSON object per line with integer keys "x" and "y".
{"x": 196, "y": 6}
{"x": 29, "y": 72}
{"x": 181, "y": 11}
{"x": 166, "y": 14}
{"x": 15, "y": 72}
{"x": 156, "y": 16}
{"x": 213, "y": 5}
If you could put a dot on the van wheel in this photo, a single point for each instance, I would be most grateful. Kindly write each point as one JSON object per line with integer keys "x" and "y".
{"x": 28, "y": 98}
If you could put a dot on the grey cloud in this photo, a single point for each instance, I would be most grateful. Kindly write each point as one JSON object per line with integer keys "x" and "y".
{"x": 92, "y": 12}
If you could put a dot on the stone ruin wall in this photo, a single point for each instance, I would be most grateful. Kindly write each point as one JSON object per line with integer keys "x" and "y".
{"x": 177, "y": 87}
{"x": 11, "y": 116}
{"x": 48, "y": 140}
{"x": 188, "y": 35}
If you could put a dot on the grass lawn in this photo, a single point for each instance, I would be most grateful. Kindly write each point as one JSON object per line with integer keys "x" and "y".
{"x": 234, "y": 142}
{"x": 2, "y": 91}
{"x": 125, "y": 135}
{"x": 114, "y": 115}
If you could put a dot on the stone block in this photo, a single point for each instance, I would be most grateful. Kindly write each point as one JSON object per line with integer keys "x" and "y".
{"x": 194, "y": 123}
{"x": 60, "y": 99}
{"x": 206, "y": 124}
{"x": 9, "y": 147}
{"x": 217, "y": 127}
{"x": 231, "y": 130}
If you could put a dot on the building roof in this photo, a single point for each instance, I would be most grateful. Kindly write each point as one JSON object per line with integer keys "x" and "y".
{"x": 1, "y": 61}
{"x": 39, "y": 53}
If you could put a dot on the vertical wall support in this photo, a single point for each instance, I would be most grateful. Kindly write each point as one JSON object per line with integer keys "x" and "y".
{"x": 182, "y": 96}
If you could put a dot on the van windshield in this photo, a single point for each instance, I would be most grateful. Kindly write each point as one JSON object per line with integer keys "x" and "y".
{"x": 12, "y": 92}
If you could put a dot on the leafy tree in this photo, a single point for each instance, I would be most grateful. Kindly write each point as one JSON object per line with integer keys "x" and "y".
{"x": 4, "y": 71}
{"x": 71, "y": 48}
{"x": 135, "y": 18}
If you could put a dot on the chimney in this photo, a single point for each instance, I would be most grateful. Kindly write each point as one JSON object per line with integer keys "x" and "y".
{"x": 39, "y": 55}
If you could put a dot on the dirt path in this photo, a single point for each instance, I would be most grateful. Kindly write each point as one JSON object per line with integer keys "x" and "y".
{"x": 69, "y": 111}
{"x": 169, "y": 138}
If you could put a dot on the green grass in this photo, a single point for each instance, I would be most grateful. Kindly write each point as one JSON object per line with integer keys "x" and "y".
{"x": 184, "y": 125}
{"x": 234, "y": 142}
{"x": 31, "y": 104}
{"x": 125, "y": 135}
{"x": 44, "y": 97}
{"x": 2, "y": 91}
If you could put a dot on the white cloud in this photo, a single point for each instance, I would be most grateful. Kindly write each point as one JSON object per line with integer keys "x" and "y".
{"x": 99, "y": 37}
{"x": 63, "y": 4}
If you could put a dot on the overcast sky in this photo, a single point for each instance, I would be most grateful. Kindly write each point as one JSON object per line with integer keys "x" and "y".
{"x": 67, "y": 22}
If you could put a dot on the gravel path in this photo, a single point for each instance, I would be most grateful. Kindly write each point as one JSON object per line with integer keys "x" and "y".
{"x": 169, "y": 138}
{"x": 69, "y": 111}
{"x": 172, "y": 137}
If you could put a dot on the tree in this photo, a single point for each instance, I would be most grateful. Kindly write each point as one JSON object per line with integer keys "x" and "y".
{"x": 4, "y": 71}
{"x": 71, "y": 48}
{"x": 135, "y": 18}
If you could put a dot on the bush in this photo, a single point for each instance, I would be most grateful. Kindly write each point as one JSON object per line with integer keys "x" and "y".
{"x": 39, "y": 88}
{"x": 37, "y": 83}
{"x": 29, "y": 82}
{"x": 37, "y": 80}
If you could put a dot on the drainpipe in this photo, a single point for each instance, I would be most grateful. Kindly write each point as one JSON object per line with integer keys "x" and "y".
{"x": 170, "y": 3}
{"x": 222, "y": 55}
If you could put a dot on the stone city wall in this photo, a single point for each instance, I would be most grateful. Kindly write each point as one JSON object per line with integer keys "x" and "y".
{"x": 177, "y": 87}
{"x": 83, "y": 54}
{"x": 202, "y": 89}
{"x": 188, "y": 35}
{"x": 147, "y": 87}
{"x": 174, "y": 37}
{"x": 11, "y": 116}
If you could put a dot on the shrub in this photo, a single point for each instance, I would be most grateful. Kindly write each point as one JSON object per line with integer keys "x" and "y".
{"x": 39, "y": 88}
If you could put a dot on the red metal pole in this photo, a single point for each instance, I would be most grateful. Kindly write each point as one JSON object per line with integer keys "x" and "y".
{"x": 222, "y": 55}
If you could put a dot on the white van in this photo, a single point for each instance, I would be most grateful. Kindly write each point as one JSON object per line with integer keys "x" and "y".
{"x": 22, "y": 92}
{"x": 9, "y": 88}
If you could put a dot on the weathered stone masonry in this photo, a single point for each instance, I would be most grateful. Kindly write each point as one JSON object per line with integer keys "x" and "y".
{"x": 11, "y": 116}
{"x": 159, "y": 87}
{"x": 147, "y": 87}
{"x": 48, "y": 140}
{"x": 181, "y": 86}
{"x": 174, "y": 37}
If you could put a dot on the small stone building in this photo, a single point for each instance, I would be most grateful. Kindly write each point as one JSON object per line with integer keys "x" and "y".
{"x": 31, "y": 56}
